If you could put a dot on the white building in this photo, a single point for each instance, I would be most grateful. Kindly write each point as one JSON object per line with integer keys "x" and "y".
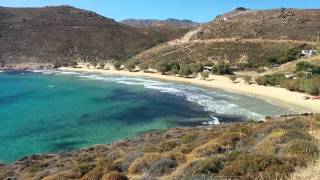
{"x": 207, "y": 69}
{"x": 309, "y": 52}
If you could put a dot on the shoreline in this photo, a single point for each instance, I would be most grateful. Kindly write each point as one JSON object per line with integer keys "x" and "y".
{"x": 294, "y": 101}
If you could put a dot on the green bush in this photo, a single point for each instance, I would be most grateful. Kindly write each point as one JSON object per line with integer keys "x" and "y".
{"x": 304, "y": 148}
{"x": 117, "y": 65}
{"x": 187, "y": 139}
{"x": 143, "y": 67}
{"x": 262, "y": 80}
{"x": 289, "y": 55}
{"x": 294, "y": 134}
{"x": 73, "y": 63}
{"x": 162, "y": 67}
{"x": 175, "y": 67}
{"x": 196, "y": 68}
{"x": 102, "y": 65}
{"x": 221, "y": 69}
{"x": 184, "y": 70}
{"x": 204, "y": 75}
{"x": 130, "y": 66}
{"x": 168, "y": 146}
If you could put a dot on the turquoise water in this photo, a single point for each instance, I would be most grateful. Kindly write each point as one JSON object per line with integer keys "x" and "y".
{"x": 54, "y": 112}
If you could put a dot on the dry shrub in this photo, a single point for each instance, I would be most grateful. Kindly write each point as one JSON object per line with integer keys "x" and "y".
{"x": 175, "y": 155}
{"x": 188, "y": 138}
{"x": 230, "y": 138}
{"x": 270, "y": 144}
{"x": 151, "y": 149}
{"x": 168, "y": 146}
{"x": 142, "y": 164}
{"x": 184, "y": 149}
{"x": 162, "y": 167}
{"x": 250, "y": 165}
{"x": 114, "y": 176}
{"x": 210, "y": 166}
{"x": 302, "y": 148}
{"x": 95, "y": 174}
{"x": 83, "y": 169}
{"x": 211, "y": 148}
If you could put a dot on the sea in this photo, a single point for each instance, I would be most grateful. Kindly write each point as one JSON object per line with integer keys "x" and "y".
{"x": 54, "y": 111}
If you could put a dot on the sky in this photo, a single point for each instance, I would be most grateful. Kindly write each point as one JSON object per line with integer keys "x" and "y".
{"x": 196, "y": 10}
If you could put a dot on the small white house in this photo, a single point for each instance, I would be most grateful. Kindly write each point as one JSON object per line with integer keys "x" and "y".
{"x": 207, "y": 69}
{"x": 289, "y": 75}
{"x": 309, "y": 52}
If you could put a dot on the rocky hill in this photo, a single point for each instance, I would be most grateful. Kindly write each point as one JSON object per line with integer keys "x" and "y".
{"x": 254, "y": 150}
{"x": 62, "y": 34}
{"x": 165, "y": 30}
{"x": 242, "y": 35}
{"x": 153, "y": 22}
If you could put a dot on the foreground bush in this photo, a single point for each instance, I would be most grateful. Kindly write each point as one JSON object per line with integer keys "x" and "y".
{"x": 303, "y": 148}
{"x": 162, "y": 167}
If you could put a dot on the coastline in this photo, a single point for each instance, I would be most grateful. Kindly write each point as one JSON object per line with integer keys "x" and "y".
{"x": 294, "y": 101}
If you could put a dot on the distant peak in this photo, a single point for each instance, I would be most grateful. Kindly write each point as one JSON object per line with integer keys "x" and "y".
{"x": 241, "y": 9}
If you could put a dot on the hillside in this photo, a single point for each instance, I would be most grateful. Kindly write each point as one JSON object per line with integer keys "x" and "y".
{"x": 242, "y": 35}
{"x": 153, "y": 22}
{"x": 165, "y": 30}
{"x": 63, "y": 33}
{"x": 252, "y": 150}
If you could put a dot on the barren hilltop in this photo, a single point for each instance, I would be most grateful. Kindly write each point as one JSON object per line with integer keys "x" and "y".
{"x": 62, "y": 34}
{"x": 242, "y": 34}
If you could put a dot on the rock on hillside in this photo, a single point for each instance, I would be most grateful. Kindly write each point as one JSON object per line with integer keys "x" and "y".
{"x": 61, "y": 34}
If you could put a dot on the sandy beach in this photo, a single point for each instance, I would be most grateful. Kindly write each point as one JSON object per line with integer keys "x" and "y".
{"x": 293, "y": 100}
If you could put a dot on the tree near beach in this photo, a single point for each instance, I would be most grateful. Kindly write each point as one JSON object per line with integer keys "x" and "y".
{"x": 163, "y": 67}
{"x": 117, "y": 65}
{"x": 184, "y": 70}
{"x": 204, "y": 75}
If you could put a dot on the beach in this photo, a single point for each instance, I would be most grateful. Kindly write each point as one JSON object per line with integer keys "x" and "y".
{"x": 294, "y": 101}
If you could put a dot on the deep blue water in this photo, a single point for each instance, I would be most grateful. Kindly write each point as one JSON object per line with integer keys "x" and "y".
{"x": 53, "y": 112}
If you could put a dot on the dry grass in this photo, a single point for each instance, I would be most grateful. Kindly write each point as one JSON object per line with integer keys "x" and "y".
{"x": 312, "y": 172}
{"x": 250, "y": 150}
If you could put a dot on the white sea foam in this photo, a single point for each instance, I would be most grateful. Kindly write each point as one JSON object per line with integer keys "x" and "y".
{"x": 207, "y": 99}
{"x": 66, "y": 73}
{"x": 50, "y": 86}
{"x": 211, "y": 101}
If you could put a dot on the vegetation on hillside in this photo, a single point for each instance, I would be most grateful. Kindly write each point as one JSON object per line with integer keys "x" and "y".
{"x": 306, "y": 78}
{"x": 264, "y": 150}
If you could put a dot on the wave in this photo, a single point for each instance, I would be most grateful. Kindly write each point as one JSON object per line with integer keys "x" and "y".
{"x": 211, "y": 101}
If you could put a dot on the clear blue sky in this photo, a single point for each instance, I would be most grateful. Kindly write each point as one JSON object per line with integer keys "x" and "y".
{"x": 197, "y": 10}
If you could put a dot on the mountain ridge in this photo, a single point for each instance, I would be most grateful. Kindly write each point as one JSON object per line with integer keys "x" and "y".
{"x": 253, "y": 35}
{"x": 61, "y": 34}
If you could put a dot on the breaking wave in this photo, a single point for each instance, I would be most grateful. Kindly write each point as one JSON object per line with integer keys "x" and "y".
{"x": 211, "y": 101}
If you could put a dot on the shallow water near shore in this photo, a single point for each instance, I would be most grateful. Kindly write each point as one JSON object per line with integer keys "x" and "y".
{"x": 47, "y": 112}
